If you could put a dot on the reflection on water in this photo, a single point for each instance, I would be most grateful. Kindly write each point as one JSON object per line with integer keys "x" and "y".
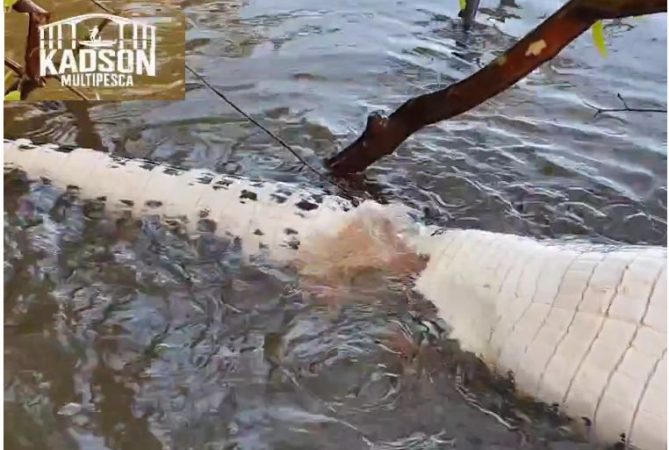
{"x": 130, "y": 335}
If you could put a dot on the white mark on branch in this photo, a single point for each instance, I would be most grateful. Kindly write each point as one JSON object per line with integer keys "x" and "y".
{"x": 625, "y": 108}
{"x": 536, "y": 48}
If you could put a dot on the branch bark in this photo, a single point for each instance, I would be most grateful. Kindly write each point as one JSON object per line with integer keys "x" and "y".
{"x": 469, "y": 13}
{"x": 36, "y": 16}
{"x": 29, "y": 79}
{"x": 383, "y": 135}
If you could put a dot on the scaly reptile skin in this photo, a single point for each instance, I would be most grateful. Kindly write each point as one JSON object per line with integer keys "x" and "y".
{"x": 578, "y": 324}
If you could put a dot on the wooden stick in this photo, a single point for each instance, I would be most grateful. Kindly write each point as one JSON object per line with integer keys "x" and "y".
{"x": 383, "y": 135}
{"x": 18, "y": 70}
{"x": 36, "y": 16}
{"x": 29, "y": 78}
{"x": 625, "y": 108}
{"x": 469, "y": 13}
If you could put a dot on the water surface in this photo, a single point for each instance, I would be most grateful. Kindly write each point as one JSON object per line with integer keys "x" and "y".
{"x": 125, "y": 335}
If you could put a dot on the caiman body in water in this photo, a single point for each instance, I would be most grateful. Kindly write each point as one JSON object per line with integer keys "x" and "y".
{"x": 578, "y": 324}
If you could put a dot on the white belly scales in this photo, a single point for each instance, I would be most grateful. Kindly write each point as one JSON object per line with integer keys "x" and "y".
{"x": 580, "y": 325}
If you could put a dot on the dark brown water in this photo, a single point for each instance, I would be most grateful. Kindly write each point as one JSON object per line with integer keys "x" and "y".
{"x": 129, "y": 336}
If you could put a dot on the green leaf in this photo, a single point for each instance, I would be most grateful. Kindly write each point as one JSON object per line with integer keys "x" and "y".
{"x": 13, "y": 96}
{"x": 598, "y": 37}
{"x": 9, "y": 3}
{"x": 8, "y": 77}
{"x": 463, "y": 4}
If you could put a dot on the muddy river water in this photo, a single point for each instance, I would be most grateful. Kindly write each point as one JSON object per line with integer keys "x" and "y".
{"x": 128, "y": 335}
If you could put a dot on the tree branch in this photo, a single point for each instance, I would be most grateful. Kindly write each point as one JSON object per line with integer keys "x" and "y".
{"x": 625, "y": 108}
{"x": 383, "y": 135}
{"x": 36, "y": 16}
{"x": 18, "y": 84}
{"x": 29, "y": 78}
{"x": 469, "y": 13}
